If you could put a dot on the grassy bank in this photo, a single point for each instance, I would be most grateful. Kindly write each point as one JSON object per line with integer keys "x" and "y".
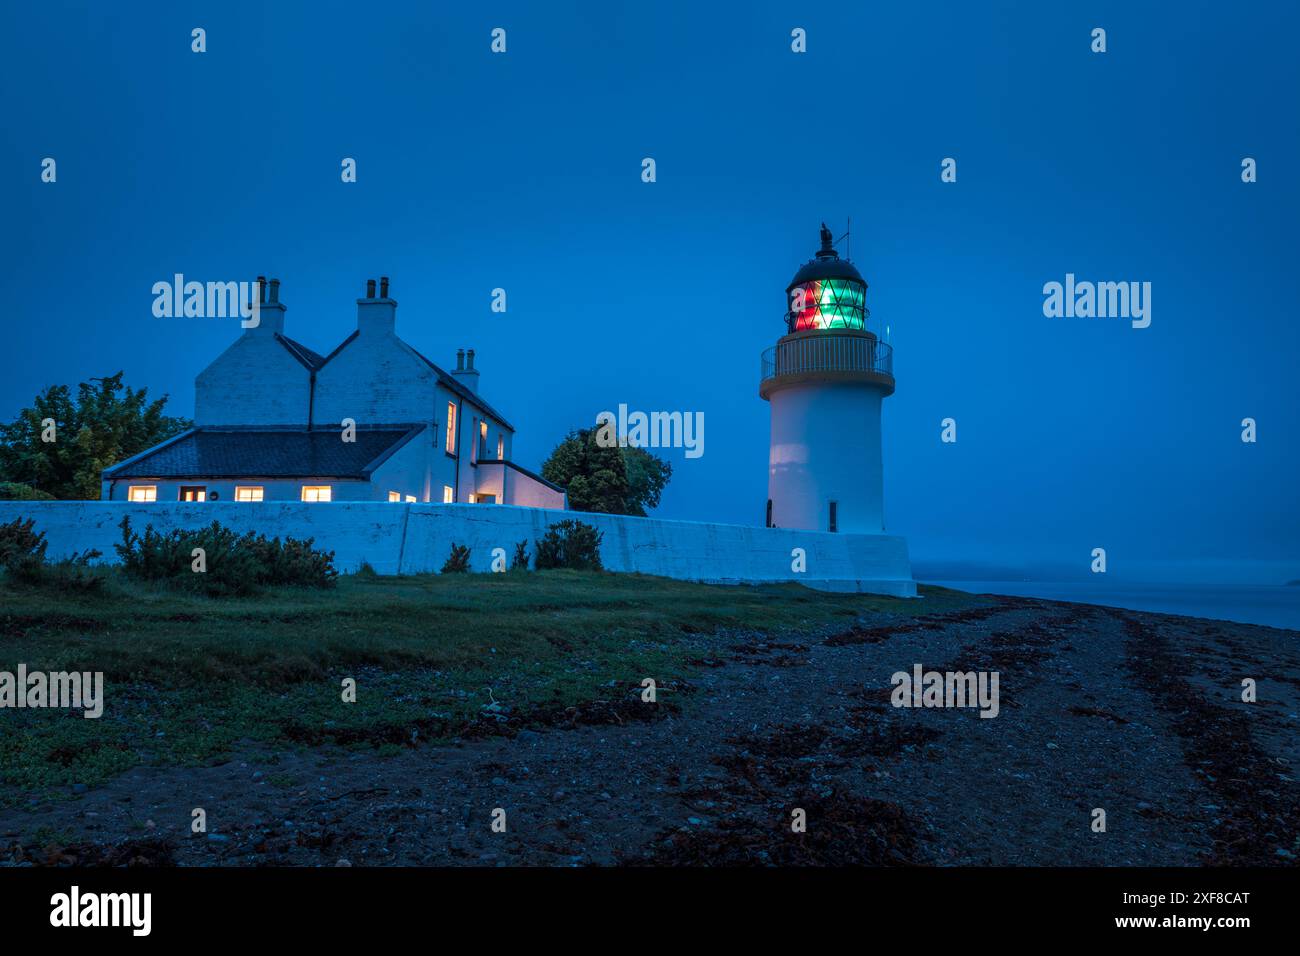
{"x": 188, "y": 677}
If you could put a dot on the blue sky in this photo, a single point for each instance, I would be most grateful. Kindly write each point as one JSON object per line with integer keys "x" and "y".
{"x": 522, "y": 171}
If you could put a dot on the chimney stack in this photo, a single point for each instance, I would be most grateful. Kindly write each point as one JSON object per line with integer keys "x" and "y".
{"x": 270, "y": 308}
{"x": 376, "y": 316}
{"x": 465, "y": 372}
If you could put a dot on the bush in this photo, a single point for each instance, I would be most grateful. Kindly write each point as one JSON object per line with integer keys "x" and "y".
{"x": 570, "y": 544}
{"x": 17, "y": 491}
{"x": 365, "y": 570}
{"x": 458, "y": 561}
{"x": 21, "y": 546}
{"x": 233, "y": 563}
{"x": 520, "y": 561}
{"x": 22, "y": 558}
{"x": 70, "y": 574}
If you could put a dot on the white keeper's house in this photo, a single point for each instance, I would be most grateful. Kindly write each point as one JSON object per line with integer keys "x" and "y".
{"x": 269, "y": 414}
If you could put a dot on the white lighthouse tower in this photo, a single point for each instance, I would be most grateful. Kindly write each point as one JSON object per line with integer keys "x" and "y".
{"x": 825, "y": 380}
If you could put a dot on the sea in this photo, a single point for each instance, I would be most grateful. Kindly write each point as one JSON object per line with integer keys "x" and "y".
{"x": 1272, "y": 605}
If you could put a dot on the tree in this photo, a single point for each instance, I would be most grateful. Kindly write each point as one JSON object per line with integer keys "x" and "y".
{"x": 647, "y": 475}
{"x": 610, "y": 479}
{"x": 594, "y": 476}
{"x": 106, "y": 423}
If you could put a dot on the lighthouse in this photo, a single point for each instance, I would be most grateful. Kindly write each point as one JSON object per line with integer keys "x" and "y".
{"x": 825, "y": 380}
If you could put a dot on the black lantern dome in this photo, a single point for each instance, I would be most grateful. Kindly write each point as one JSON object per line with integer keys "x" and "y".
{"x": 827, "y": 292}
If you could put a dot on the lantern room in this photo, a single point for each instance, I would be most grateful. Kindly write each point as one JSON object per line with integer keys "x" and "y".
{"x": 826, "y": 293}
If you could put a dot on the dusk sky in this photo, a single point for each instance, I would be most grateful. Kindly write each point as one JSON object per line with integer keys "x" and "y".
{"x": 523, "y": 171}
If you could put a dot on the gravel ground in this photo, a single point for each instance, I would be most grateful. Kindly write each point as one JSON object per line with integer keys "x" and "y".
{"x": 1137, "y": 714}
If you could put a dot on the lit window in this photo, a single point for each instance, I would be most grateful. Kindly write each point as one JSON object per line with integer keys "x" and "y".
{"x": 451, "y": 428}
{"x": 142, "y": 493}
{"x": 473, "y": 444}
{"x": 410, "y": 497}
{"x": 248, "y": 492}
{"x": 448, "y": 495}
{"x": 501, "y": 447}
{"x": 193, "y": 493}
{"x": 394, "y": 496}
{"x": 316, "y": 492}
{"x": 482, "y": 440}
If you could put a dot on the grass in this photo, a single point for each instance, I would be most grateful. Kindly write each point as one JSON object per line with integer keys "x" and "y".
{"x": 187, "y": 678}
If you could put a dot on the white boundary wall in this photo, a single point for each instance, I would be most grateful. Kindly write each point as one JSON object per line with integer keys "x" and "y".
{"x": 400, "y": 538}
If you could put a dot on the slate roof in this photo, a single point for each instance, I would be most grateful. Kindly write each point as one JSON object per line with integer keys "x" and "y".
{"x": 267, "y": 453}
{"x": 313, "y": 360}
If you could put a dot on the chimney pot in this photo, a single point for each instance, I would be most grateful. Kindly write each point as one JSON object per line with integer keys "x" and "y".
{"x": 460, "y": 360}
{"x": 261, "y": 289}
{"x": 275, "y": 290}
{"x": 383, "y": 287}
{"x": 370, "y": 288}
{"x": 469, "y": 360}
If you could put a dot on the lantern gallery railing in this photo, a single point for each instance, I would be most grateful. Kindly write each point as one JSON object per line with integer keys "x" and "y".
{"x": 829, "y": 353}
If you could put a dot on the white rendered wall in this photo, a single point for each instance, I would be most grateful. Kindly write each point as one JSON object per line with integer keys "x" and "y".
{"x": 254, "y": 382}
{"x": 519, "y": 489}
{"x": 408, "y": 471}
{"x": 402, "y": 538}
{"x": 825, "y": 447}
{"x": 273, "y": 489}
{"x": 376, "y": 380}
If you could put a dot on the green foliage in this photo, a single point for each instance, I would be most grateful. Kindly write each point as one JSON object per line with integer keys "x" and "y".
{"x": 570, "y": 544}
{"x": 458, "y": 560}
{"x": 520, "y": 560}
{"x": 606, "y": 478}
{"x": 647, "y": 475}
{"x": 73, "y": 574}
{"x": 104, "y": 424}
{"x": 15, "y": 491}
{"x": 22, "y": 558}
{"x": 21, "y": 546}
{"x": 235, "y": 564}
{"x": 594, "y": 476}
